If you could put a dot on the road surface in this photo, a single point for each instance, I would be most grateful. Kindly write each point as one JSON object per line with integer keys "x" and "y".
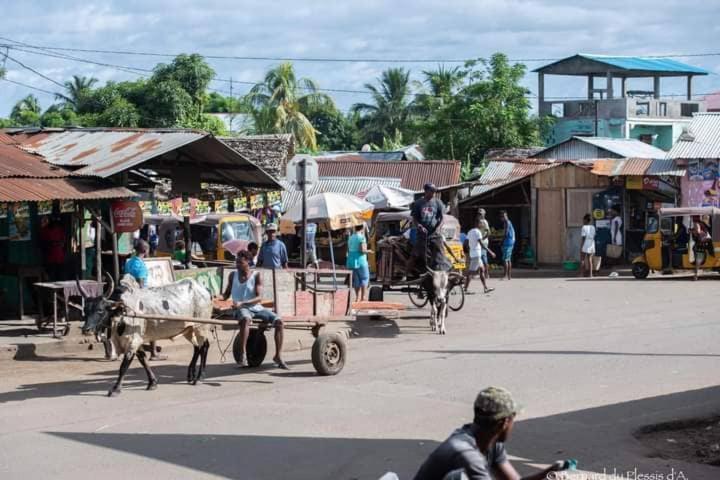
{"x": 591, "y": 361}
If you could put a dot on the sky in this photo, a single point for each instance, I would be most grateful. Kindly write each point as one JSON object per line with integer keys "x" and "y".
{"x": 358, "y": 30}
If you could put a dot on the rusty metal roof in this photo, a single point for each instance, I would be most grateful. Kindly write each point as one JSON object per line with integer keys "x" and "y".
{"x": 499, "y": 174}
{"x": 701, "y": 140}
{"x": 40, "y": 189}
{"x": 15, "y": 162}
{"x": 413, "y": 174}
{"x": 624, "y": 167}
{"x": 104, "y": 152}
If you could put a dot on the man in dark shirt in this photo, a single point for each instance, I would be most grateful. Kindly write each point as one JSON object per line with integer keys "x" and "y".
{"x": 427, "y": 214}
{"x": 477, "y": 450}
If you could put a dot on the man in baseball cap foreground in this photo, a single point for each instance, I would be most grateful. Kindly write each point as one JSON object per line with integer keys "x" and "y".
{"x": 476, "y": 451}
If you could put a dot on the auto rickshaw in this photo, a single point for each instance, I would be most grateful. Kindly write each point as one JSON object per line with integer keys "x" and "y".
{"x": 217, "y": 235}
{"x": 389, "y": 224}
{"x": 668, "y": 245}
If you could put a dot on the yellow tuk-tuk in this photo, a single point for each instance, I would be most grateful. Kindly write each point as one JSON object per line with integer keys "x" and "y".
{"x": 393, "y": 224}
{"x": 217, "y": 236}
{"x": 668, "y": 244}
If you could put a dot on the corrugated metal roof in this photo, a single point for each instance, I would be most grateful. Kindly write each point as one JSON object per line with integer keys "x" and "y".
{"x": 514, "y": 153}
{"x": 348, "y": 185}
{"x": 649, "y": 64}
{"x": 15, "y": 162}
{"x": 586, "y": 63}
{"x": 624, "y": 167}
{"x": 413, "y": 174}
{"x": 702, "y": 139}
{"x": 106, "y": 152}
{"x": 623, "y": 147}
{"x": 499, "y": 174}
{"x": 40, "y": 189}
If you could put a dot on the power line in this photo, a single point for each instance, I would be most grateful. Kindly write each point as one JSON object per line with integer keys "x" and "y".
{"x": 332, "y": 59}
{"x": 30, "y": 87}
{"x": 34, "y": 71}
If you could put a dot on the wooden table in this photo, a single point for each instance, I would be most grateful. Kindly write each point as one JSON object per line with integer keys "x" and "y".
{"x": 68, "y": 288}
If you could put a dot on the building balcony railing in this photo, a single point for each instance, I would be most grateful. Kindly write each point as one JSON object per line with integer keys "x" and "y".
{"x": 630, "y": 107}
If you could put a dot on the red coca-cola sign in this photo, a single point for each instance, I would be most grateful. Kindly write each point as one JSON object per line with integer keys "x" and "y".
{"x": 127, "y": 216}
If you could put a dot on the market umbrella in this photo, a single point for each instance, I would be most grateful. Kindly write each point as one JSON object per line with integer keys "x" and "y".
{"x": 336, "y": 210}
{"x": 381, "y": 196}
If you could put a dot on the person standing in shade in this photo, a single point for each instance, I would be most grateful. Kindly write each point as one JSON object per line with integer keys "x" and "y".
{"x": 310, "y": 246}
{"x": 253, "y": 250}
{"x": 508, "y": 244}
{"x": 273, "y": 253}
{"x": 135, "y": 267}
{"x": 587, "y": 246}
{"x": 357, "y": 262}
{"x": 616, "y": 224}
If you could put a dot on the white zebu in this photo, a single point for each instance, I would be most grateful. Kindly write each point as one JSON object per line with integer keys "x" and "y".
{"x": 128, "y": 334}
{"x": 436, "y": 288}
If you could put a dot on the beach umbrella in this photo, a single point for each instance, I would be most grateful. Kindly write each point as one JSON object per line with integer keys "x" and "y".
{"x": 381, "y": 196}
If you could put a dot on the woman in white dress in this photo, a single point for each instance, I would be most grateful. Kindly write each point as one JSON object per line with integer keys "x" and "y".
{"x": 587, "y": 246}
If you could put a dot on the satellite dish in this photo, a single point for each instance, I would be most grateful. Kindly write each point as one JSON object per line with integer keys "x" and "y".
{"x": 302, "y": 167}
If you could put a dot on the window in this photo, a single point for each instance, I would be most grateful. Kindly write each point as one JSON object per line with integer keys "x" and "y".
{"x": 642, "y": 109}
{"x": 687, "y": 109}
{"x": 557, "y": 110}
{"x": 646, "y": 138}
{"x": 662, "y": 109}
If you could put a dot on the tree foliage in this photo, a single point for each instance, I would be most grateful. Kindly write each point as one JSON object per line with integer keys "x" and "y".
{"x": 390, "y": 112}
{"x": 279, "y": 104}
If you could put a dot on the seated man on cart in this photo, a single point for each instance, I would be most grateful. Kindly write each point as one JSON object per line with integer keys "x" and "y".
{"x": 429, "y": 247}
{"x": 245, "y": 286}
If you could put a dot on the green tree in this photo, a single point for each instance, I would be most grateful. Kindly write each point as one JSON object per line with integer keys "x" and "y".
{"x": 390, "y": 111}
{"x": 489, "y": 109}
{"x": 334, "y": 130}
{"x": 193, "y": 74}
{"x": 279, "y": 104}
{"x": 167, "y": 105}
{"x": 59, "y": 115}
{"x": 76, "y": 90}
{"x": 26, "y": 112}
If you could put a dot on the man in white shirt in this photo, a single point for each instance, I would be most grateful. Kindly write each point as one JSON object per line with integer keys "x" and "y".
{"x": 475, "y": 251}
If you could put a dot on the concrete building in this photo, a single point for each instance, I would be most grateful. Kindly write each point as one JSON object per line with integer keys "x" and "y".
{"x": 611, "y": 109}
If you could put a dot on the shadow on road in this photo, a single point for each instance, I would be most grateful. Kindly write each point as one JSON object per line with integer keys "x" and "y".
{"x": 216, "y": 375}
{"x": 601, "y": 438}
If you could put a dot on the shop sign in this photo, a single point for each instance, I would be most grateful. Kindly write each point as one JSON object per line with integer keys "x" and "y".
{"x": 651, "y": 183}
{"x": 127, "y": 216}
{"x": 634, "y": 183}
{"x": 598, "y": 214}
{"x": 221, "y": 206}
{"x": 21, "y": 210}
{"x": 202, "y": 208}
{"x": 45, "y": 207}
{"x": 67, "y": 206}
{"x": 186, "y": 208}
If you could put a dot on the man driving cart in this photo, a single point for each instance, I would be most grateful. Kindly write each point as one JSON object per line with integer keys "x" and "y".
{"x": 429, "y": 248}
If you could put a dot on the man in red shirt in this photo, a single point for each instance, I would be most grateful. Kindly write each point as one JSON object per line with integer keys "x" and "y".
{"x": 53, "y": 240}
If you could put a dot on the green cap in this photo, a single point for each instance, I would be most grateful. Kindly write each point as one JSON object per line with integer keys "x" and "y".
{"x": 495, "y": 403}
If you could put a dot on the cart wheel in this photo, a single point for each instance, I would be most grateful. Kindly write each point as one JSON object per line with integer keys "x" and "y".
{"x": 416, "y": 298}
{"x": 456, "y": 297}
{"x": 328, "y": 353}
{"x": 376, "y": 294}
{"x": 640, "y": 270}
{"x": 256, "y": 348}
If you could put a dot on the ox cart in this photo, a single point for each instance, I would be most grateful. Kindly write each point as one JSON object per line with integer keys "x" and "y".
{"x": 305, "y": 299}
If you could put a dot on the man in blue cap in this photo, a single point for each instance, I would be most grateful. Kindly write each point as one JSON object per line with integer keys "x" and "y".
{"x": 427, "y": 214}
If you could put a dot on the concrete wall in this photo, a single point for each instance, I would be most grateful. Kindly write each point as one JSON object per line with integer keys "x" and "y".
{"x": 665, "y": 137}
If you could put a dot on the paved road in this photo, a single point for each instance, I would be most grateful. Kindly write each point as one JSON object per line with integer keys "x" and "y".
{"x": 590, "y": 360}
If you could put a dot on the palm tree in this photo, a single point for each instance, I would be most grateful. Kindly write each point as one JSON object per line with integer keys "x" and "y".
{"x": 280, "y": 102}
{"x": 27, "y": 104}
{"x": 76, "y": 89}
{"x": 390, "y": 111}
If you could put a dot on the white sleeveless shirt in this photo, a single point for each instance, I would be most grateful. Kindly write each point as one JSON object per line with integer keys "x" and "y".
{"x": 243, "y": 291}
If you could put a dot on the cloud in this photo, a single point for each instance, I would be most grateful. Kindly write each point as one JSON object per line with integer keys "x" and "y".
{"x": 369, "y": 29}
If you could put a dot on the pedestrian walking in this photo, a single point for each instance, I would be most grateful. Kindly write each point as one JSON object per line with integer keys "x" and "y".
{"x": 476, "y": 266}
{"x": 587, "y": 246}
{"x": 484, "y": 228}
{"x": 508, "y": 244}
{"x": 358, "y": 263}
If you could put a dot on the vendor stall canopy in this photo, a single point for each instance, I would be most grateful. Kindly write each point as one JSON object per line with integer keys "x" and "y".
{"x": 104, "y": 152}
{"x": 25, "y": 177}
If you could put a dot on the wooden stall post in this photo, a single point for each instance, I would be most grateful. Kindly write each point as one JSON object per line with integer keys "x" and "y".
{"x": 116, "y": 260}
{"x": 83, "y": 259}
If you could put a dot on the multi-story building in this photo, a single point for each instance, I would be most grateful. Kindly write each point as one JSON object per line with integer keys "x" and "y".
{"x": 611, "y": 109}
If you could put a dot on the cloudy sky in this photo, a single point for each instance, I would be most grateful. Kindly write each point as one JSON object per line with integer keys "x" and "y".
{"x": 368, "y": 29}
